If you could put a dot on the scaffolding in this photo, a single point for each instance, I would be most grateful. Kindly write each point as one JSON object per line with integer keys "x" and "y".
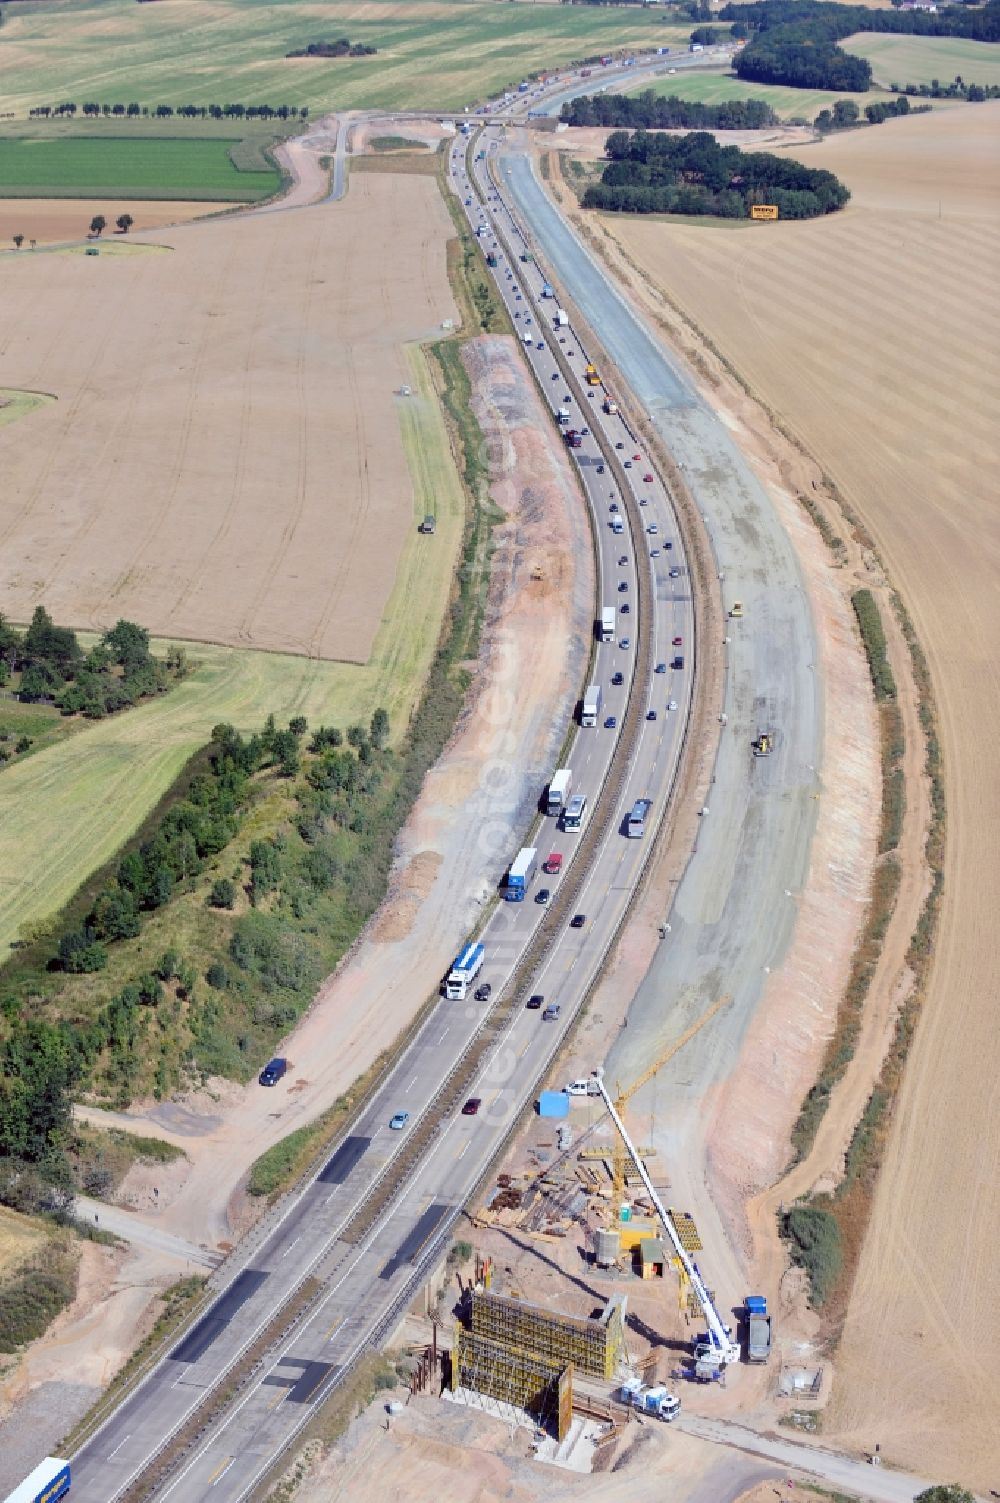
{"x": 512, "y": 1376}
{"x": 595, "y": 1347}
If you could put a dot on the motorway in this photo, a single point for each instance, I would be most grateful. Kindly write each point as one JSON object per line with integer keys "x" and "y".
{"x": 365, "y": 1274}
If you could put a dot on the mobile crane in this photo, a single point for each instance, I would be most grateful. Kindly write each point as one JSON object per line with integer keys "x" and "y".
{"x": 719, "y": 1349}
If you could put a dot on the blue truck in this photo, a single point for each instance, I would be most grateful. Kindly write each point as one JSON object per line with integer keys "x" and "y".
{"x": 49, "y": 1481}
{"x": 522, "y": 869}
{"x": 758, "y": 1329}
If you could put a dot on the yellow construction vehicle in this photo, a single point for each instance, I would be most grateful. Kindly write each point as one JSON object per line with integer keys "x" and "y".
{"x": 762, "y": 746}
{"x": 737, "y": 608}
{"x": 593, "y": 379}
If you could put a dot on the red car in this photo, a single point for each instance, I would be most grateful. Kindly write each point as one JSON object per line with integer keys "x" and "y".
{"x": 647, "y": 479}
{"x": 678, "y": 641}
{"x": 471, "y": 1107}
{"x": 553, "y": 866}
{"x": 637, "y": 457}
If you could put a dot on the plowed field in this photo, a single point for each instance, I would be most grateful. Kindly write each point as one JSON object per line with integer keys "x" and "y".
{"x": 224, "y": 460}
{"x": 875, "y": 334}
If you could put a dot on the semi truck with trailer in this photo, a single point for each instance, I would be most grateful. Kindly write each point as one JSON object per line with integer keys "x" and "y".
{"x": 574, "y": 438}
{"x": 591, "y": 373}
{"x": 650, "y": 1399}
{"x": 522, "y": 869}
{"x": 591, "y": 706}
{"x": 49, "y": 1480}
{"x": 608, "y": 623}
{"x": 468, "y": 964}
{"x": 559, "y": 791}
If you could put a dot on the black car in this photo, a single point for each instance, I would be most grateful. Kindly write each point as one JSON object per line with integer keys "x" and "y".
{"x": 617, "y": 679}
{"x": 622, "y": 586}
{"x": 578, "y": 920}
{"x": 534, "y": 1003}
{"x": 484, "y": 992}
{"x": 272, "y": 1072}
{"x": 542, "y": 895}
{"x": 600, "y": 469}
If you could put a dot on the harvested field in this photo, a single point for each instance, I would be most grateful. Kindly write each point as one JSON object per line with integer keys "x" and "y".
{"x": 875, "y": 335}
{"x": 20, "y": 1236}
{"x": 436, "y": 53}
{"x": 46, "y": 220}
{"x": 65, "y": 811}
{"x": 224, "y": 461}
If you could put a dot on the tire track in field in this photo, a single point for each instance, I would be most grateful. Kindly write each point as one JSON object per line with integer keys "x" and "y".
{"x": 72, "y": 412}
{"x": 165, "y": 506}
{"x": 225, "y": 523}
{"x": 280, "y": 552}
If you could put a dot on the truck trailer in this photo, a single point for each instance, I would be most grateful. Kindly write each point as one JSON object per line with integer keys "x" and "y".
{"x": 49, "y": 1480}
{"x": 561, "y": 319}
{"x": 522, "y": 869}
{"x": 608, "y": 623}
{"x": 591, "y": 706}
{"x": 467, "y": 966}
{"x": 559, "y": 790}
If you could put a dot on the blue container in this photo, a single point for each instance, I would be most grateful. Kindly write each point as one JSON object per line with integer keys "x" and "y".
{"x": 553, "y": 1104}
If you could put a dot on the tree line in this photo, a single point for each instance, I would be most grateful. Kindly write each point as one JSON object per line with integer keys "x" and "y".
{"x": 271, "y": 962}
{"x": 657, "y": 112}
{"x": 50, "y": 666}
{"x": 342, "y": 47}
{"x": 794, "y": 42}
{"x": 693, "y": 174}
{"x": 91, "y": 109}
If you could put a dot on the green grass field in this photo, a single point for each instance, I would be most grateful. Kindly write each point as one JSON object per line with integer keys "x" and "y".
{"x": 437, "y": 53}
{"x": 789, "y": 104}
{"x": 902, "y": 59}
{"x": 88, "y": 167}
{"x": 66, "y": 810}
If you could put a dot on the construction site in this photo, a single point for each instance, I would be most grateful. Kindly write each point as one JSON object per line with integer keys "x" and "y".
{"x": 586, "y": 1306}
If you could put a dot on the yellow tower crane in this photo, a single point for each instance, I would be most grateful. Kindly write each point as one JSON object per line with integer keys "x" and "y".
{"x": 619, "y": 1153}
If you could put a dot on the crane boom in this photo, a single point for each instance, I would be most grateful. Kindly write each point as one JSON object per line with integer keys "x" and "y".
{"x": 723, "y": 1347}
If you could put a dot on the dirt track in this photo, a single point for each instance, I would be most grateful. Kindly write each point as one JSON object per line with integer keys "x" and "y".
{"x": 224, "y": 461}
{"x": 887, "y": 369}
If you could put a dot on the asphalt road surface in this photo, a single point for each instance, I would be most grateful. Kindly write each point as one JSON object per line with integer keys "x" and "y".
{"x": 734, "y": 911}
{"x": 367, "y": 1282}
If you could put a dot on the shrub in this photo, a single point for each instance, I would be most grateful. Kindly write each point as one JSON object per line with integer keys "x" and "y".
{"x": 815, "y": 1245}
{"x": 873, "y": 637}
{"x": 223, "y": 894}
{"x": 217, "y": 976}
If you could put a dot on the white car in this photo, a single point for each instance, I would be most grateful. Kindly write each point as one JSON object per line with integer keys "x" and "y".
{"x": 671, "y": 704}
{"x": 583, "y": 1088}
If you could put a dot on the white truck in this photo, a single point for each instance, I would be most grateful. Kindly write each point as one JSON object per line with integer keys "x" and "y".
{"x": 561, "y": 319}
{"x": 617, "y": 525}
{"x": 559, "y": 789}
{"x": 468, "y": 964}
{"x": 608, "y": 614}
{"x": 562, "y": 416}
{"x": 591, "y": 706}
{"x": 650, "y": 1399}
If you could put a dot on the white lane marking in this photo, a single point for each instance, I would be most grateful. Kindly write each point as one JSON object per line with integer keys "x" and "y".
{"x": 291, "y": 1245}
{"x": 114, "y": 1453}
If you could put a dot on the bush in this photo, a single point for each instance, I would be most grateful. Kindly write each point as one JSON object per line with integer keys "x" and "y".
{"x": 34, "y": 1296}
{"x": 873, "y": 637}
{"x": 223, "y": 894}
{"x": 815, "y": 1245}
{"x": 945, "y": 1494}
{"x": 217, "y": 976}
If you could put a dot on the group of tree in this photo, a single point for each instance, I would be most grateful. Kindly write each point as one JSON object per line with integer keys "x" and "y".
{"x": 657, "y": 112}
{"x": 973, "y": 93}
{"x": 693, "y": 174}
{"x": 846, "y": 114}
{"x": 51, "y": 666}
{"x": 342, "y": 47}
{"x": 135, "y": 111}
{"x": 794, "y": 42}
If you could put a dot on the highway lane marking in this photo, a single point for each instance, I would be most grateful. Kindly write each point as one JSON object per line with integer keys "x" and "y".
{"x": 445, "y": 1034}
{"x": 221, "y": 1471}
{"x": 331, "y": 1333}
{"x": 291, "y": 1245}
{"x": 276, "y": 1401}
{"x": 114, "y": 1453}
{"x": 412, "y": 1083}
{"x": 463, "y": 1151}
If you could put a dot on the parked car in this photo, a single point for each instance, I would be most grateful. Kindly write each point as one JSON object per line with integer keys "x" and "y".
{"x": 273, "y": 1071}
{"x": 399, "y": 1121}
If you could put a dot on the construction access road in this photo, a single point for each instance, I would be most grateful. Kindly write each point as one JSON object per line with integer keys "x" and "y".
{"x": 333, "y": 1266}
{"x": 733, "y": 913}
